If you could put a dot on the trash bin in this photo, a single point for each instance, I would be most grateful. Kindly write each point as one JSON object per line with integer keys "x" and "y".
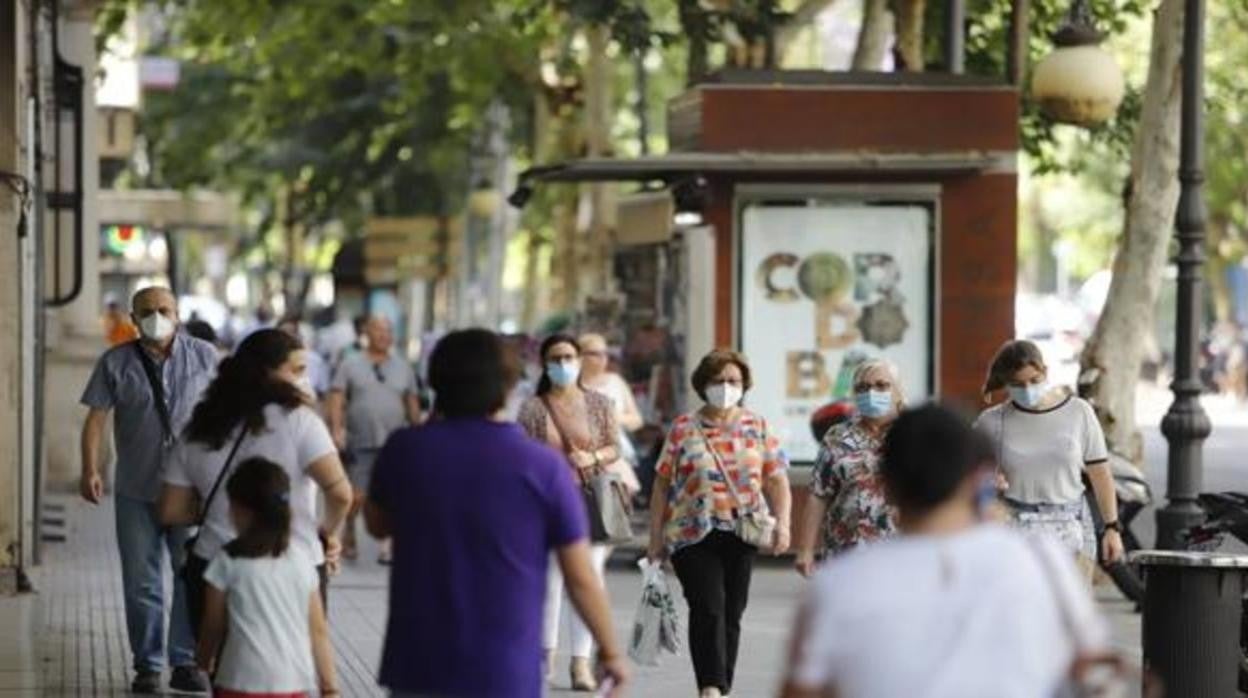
{"x": 1193, "y": 606}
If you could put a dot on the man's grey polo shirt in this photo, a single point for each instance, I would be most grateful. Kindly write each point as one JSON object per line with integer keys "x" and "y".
{"x": 375, "y": 397}
{"x": 119, "y": 383}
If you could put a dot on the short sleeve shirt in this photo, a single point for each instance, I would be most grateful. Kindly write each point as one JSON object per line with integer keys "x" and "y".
{"x": 475, "y": 508}
{"x": 294, "y": 439}
{"x": 847, "y": 478}
{"x": 375, "y": 397}
{"x": 984, "y": 612}
{"x": 699, "y": 500}
{"x": 1043, "y": 452}
{"x": 119, "y": 383}
{"x": 268, "y": 649}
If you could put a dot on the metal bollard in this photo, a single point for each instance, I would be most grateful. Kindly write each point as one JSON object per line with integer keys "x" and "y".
{"x": 1193, "y": 606}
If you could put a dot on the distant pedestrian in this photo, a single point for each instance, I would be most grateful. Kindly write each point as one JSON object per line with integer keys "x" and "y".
{"x": 475, "y": 508}
{"x": 373, "y": 393}
{"x": 118, "y": 328}
{"x": 721, "y": 469}
{"x": 263, "y": 615}
{"x": 259, "y": 406}
{"x": 597, "y": 375}
{"x": 1046, "y": 440}
{"x": 151, "y": 385}
{"x": 581, "y": 424}
{"x": 952, "y": 607}
{"x": 847, "y": 507}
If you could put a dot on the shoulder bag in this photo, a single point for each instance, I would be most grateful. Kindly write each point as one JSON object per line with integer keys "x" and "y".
{"x": 606, "y": 500}
{"x": 753, "y": 525}
{"x": 1091, "y": 674}
{"x": 158, "y": 392}
{"x": 212, "y": 493}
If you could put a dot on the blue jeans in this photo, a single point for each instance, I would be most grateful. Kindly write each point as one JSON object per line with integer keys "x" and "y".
{"x": 142, "y": 542}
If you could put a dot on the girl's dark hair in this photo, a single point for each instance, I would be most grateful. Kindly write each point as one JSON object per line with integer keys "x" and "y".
{"x": 261, "y": 487}
{"x": 1012, "y": 357}
{"x": 243, "y": 387}
{"x": 544, "y": 385}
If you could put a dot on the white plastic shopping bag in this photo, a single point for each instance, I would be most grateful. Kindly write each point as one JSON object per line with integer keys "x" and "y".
{"x": 656, "y": 625}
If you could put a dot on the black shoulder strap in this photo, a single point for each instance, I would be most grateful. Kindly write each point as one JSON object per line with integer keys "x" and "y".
{"x": 157, "y": 386}
{"x": 229, "y": 460}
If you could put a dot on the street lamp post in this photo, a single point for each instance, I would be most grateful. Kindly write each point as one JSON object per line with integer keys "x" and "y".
{"x": 1186, "y": 425}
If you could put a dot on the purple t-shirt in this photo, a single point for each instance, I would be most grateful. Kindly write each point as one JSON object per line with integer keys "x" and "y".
{"x": 476, "y": 508}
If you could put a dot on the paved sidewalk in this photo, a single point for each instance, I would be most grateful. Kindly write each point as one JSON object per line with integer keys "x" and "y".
{"x": 68, "y": 639}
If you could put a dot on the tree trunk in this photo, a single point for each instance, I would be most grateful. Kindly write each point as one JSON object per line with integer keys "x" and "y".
{"x": 693, "y": 22}
{"x": 599, "y": 78}
{"x": 910, "y": 34}
{"x": 1111, "y": 361}
{"x": 805, "y": 14}
{"x": 873, "y": 35}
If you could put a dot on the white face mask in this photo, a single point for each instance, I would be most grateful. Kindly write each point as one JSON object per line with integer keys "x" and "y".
{"x": 1029, "y": 396}
{"x": 304, "y": 384}
{"x": 723, "y": 395}
{"x": 157, "y": 327}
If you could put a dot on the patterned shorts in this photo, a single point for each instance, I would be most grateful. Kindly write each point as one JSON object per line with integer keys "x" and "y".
{"x": 1068, "y": 524}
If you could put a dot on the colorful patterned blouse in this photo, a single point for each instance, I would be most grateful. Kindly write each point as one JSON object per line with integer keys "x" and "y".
{"x": 847, "y": 477}
{"x": 698, "y": 499}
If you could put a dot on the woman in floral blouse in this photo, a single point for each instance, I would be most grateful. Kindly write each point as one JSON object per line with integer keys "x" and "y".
{"x": 846, "y": 507}
{"x": 581, "y": 424}
{"x": 718, "y": 464}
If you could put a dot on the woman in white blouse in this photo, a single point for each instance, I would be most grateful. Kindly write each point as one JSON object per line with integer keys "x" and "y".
{"x": 1046, "y": 440}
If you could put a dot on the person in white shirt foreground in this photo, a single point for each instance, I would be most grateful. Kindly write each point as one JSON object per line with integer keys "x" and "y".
{"x": 955, "y": 606}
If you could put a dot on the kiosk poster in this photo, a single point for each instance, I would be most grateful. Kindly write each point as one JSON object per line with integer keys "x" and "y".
{"x": 822, "y": 289}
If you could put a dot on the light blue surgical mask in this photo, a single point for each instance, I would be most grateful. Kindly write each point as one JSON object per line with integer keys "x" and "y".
{"x": 1029, "y": 396}
{"x": 874, "y": 404}
{"x": 563, "y": 373}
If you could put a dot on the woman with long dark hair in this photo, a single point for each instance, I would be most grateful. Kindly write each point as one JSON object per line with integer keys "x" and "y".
{"x": 264, "y": 629}
{"x": 259, "y": 405}
{"x": 581, "y": 424}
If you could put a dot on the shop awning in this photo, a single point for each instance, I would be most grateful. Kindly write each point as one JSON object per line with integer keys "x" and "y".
{"x": 675, "y": 166}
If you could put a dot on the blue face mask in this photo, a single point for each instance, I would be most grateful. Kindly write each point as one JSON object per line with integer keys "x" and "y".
{"x": 874, "y": 404}
{"x": 563, "y": 374}
{"x": 1029, "y": 396}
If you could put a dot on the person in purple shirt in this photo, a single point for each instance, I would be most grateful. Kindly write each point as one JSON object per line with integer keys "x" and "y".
{"x": 475, "y": 507}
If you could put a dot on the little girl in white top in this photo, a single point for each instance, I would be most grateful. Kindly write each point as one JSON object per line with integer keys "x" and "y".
{"x": 262, "y": 597}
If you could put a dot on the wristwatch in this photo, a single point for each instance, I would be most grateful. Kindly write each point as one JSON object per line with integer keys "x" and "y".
{"x": 1113, "y": 526}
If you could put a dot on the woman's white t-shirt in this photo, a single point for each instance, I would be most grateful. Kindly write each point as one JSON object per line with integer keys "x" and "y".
{"x": 987, "y": 612}
{"x": 268, "y": 643}
{"x": 292, "y": 438}
{"x": 1043, "y": 452}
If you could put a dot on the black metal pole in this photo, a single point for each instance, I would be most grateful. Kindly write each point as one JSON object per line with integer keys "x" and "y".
{"x": 1186, "y": 425}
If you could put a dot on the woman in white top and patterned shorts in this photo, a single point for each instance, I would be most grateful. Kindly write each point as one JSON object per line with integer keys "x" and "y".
{"x": 1046, "y": 439}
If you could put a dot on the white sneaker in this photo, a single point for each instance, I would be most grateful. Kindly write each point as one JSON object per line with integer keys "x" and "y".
{"x": 711, "y": 692}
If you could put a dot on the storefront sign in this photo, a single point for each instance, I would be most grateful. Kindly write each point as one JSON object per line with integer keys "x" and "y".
{"x": 823, "y": 288}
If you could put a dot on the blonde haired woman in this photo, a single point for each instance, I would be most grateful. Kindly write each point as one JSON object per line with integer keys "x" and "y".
{"x": 846, "y": 507}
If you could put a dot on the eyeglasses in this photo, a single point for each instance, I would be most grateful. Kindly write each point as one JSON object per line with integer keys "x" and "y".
{"x": 381, "y": 377}
{"x": 594, "y": 354}
{"x": 880, "y": 386}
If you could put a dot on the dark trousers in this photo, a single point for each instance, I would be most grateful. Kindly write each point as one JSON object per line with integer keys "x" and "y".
{"x": 715, "y": 575}
{"x": 196, "y": 587}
